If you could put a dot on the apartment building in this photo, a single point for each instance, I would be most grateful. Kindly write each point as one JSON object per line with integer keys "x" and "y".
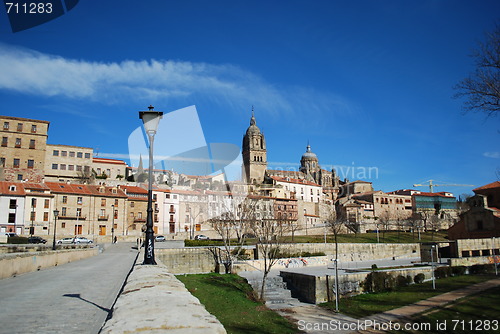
{"x": 22, "y": 150}
{"x": 68, "y": 163}
{"x": 136, "y": 210}
{"x": 109, "y": 169}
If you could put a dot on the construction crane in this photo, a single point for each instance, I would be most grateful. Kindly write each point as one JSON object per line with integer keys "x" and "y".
{"x": 432, "y": 185}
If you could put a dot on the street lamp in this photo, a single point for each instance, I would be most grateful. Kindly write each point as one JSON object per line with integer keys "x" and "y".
{"x": 32, "y": 228}
{"x": 150, "y": 119}
{"x": 432, "y": 267}
{"x": 56, "y": 214}
{"x": 113, "y": 224}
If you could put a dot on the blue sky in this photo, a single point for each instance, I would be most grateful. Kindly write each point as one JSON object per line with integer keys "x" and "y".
{"x": 367, "y": 83}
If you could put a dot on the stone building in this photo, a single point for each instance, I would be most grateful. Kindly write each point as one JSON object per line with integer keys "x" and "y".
{"x": 65, "y": 163}
{"x": 22, "y": 151}
{"x": 109, "y": 169}
{"x": 136, "y": 210}
{"x": 482, "y": 220}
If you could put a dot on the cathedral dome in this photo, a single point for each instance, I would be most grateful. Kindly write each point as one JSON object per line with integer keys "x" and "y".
{"x": 309, "y": 155}
{"x": 253, "y": 128}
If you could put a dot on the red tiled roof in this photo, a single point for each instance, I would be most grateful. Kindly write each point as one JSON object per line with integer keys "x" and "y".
{"x": 5, "y": 188}
{"x": 108, "y": 161}
{"x": 134, "y": 190}
{"x": 68, "y": 188}
{"x": 492, "y": 185}
{"x": 296, "y": 181}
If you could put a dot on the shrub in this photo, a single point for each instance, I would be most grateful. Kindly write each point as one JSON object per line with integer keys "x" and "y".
{"x": 419, "y": 278}
{"x": 378, "y": 281}
{"x": 17, "y": 240}
{"x": 458, "y": 270}
{"x": 442, "y": 272}
{"x": 478, "y": 269}
{"x": 402, "y": 281}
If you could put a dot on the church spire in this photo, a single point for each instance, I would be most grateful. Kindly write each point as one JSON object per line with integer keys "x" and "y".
{"x": 252, "y": 120}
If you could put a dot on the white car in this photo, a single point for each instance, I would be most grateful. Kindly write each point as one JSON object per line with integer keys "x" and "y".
{"x": 65, "y": 241}
{"x": 81, "y": 240}
{"x": 201, "y": 237}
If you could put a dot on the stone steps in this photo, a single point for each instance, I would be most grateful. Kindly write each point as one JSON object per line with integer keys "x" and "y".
{"x": 276, "y": 293}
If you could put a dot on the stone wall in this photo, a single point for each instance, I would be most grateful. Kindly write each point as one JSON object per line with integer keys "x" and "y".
{"x": 19, "y": 263}
{"x": 357, "y": 251}
{"x": 186, "y": 260}
{"x": 155, "y": 301}
{"x": 319, "y": 289}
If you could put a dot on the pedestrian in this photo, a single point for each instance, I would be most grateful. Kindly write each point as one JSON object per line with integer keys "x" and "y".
{"x": 114, "y": 241}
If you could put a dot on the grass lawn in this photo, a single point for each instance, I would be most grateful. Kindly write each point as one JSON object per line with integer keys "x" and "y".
{"x": 480, "y": 312}
{"x": 371, "y": 303}
{"x": 230, "y": 299}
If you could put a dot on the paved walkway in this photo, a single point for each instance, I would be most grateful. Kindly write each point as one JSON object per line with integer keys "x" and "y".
{"x": 314, "y": 319}
{"x": 72, "y": 298}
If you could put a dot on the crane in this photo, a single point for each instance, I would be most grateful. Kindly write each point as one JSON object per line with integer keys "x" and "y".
{"x": 432, "y": 185}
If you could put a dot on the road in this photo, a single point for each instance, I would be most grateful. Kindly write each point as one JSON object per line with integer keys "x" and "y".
{"x": 72, "y": 298}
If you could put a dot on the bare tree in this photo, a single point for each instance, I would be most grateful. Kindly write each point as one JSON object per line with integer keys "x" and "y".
{"x": 270, "y": 234}
{"x": 482, "y": 88}
{"x": 385, "y": 221}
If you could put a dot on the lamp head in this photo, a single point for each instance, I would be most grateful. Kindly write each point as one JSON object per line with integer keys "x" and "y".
{"x": 56, "y": 213}
{"x": 150, "y": 119}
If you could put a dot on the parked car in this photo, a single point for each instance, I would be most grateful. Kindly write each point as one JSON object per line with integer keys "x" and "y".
{"x": 81, "y": 240}
{"x": 65, "y": 241}
{"x": 201, "y": 237}
{"x": 36, "y": 240}
{"x": 159, "y": 238}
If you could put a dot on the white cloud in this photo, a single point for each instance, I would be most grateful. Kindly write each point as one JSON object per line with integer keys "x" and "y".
{"x": 31, "y": 72}
{"x": 494, "y": 155}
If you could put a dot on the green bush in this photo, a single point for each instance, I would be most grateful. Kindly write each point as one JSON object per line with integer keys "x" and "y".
{"x": 419, "y": 278}
{"x": 378, "y": 281}
{"x": 442, "y": 272}
{"x": 402, "y": 281}
{"x": 478, "y": 269}
{"x": 195, "y": 243}
{"x": 458, "y": 270}
{"x": 17, "y": 240}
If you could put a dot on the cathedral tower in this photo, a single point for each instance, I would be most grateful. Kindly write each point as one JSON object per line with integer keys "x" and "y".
{"x": 254, "y": 154}
{"x": 309, "y": 165}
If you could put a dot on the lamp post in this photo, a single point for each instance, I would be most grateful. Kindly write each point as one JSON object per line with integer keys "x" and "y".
{"x": 32, "y": 228}
{"x": 113, "y": 224}
{"x": 432, "y": 266}
{"x": 150, "y": 119}
{"x": 494, "y": 256}
{"x": 56, "y": 214}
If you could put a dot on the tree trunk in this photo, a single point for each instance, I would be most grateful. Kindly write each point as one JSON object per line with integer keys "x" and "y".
{"x": 262, "y": 288}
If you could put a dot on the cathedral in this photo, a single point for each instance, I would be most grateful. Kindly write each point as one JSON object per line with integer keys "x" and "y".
{"x": 255, "y": 170}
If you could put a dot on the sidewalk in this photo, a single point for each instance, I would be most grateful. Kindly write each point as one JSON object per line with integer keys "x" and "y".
{"x": 406, "y": 312}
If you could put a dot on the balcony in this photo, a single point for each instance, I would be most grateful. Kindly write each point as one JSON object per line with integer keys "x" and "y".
{"x": 102, "y": 218}
{"x": 139, "y": 220}
{"x": 72, "y": 217}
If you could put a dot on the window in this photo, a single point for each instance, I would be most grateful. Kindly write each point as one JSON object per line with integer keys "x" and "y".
{"x": 79, "y": 200}
{"x": 132, "y": 204}
{"x": 116, "y": 214}
{"x": 103, "y": 202}
{"x": 2, "y": 162}
{"x": 71, "y": 167}
{"x": 87, "y": 155}
{"x": 79, "y": 155}
{"x": 63, "y": 212}
{"x": 54, "y": 166}
{"x": 63, "y": 225}
{"x": 13, "y": 204}
{"x": 103, "y": 212}
{"x": 65, "y": 199}
{"x": 46, "y": 204}
{"x": 167, "y": 195}
{"x": 19, "y": 177}
{"x": 45, "y": 216}
{"x": 31, "y": 163}
{"x": 6, "y": 125}
{"x": 19, "y": 126}
{"x": 32, "y": 215}
{"x": 79, "y": 212}
{"x": 5, "y": 140}
{"x": 64, "y": 153}
{"x": 32, "y": 144}
{"x": 71, "y": 154}
{"x": 86, "y": 169}
{"x": 12, "y": 218}
{"x": 62, "y": 167}
{"x": 116, "y": 202}
{"x": 33, "y": 128}
{"x": 174, "y": 196}
{"x": 78, "y": 168}
{"x": 139, "y": 215}
{"x": 16, "y": 163}
{"x": 55, "y": 153}
{"x": 18, "y": 143}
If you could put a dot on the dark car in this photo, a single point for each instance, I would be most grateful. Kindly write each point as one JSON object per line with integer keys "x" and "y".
{"x": 36, "y": 240}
